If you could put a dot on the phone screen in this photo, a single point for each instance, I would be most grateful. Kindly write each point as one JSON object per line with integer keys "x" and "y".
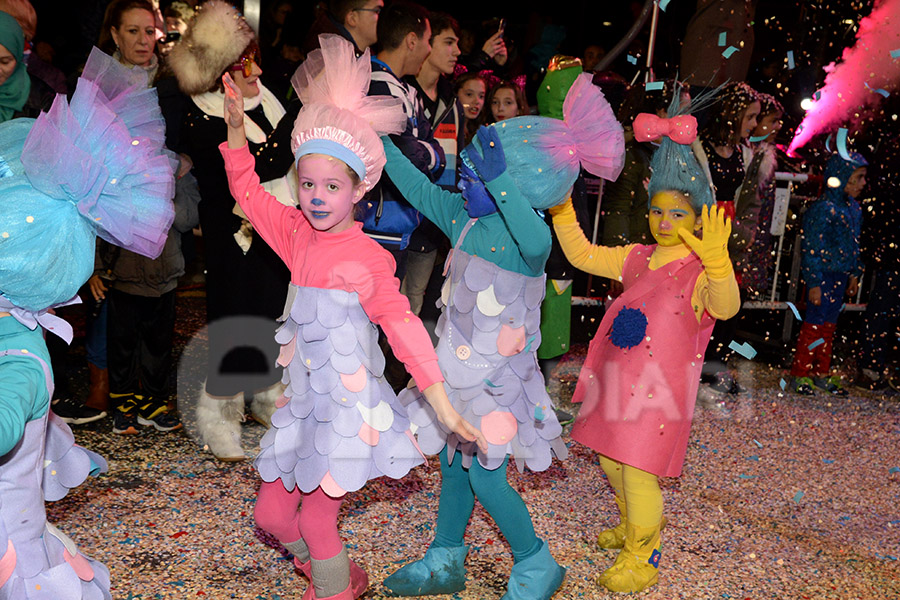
{"x": 502, "y": 27}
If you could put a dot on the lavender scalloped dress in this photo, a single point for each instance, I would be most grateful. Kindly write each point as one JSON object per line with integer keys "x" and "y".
{"x": 339, "y": 423}
{"x": 489, "y": 333}
{"x": 37, "y": 560}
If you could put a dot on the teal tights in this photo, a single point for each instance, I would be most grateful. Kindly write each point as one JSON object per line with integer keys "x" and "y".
{"x": 460, "y": 487}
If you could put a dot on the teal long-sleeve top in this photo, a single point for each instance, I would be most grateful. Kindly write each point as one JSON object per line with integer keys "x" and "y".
{"x": 23, "y": 386}
{"x": 515, "y": 238}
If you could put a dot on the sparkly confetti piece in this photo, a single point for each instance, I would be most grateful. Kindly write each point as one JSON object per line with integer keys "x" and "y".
{"x": 664, "y": 3}
{"x": 881, "y": 91}
{"x": 782, "y": 383}
{"x": 758, "y": 138}
{"x": 798, "y": 496}
{"x": 895, "y": 53}
{"x": 722, "y": 37}
{"x": 742, "y": 476}
{"x": 654, "y": 85}
{"x": 795, "y": 311}
{"x": 729, "y": 51}
{"x": 744, "y": 349}
{"x": 758, "y": 445}
{"x": 828, "y": 461}
{"x": 816, "y": 343}
{"x": 790, "y": 58}
{"x": 842, "y": 143}
{"x": 631, "y": 59}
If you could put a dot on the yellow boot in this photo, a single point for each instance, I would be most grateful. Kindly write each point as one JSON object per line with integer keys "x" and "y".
{"x": 615, "y": 537}
{"x": 637, "y": 566}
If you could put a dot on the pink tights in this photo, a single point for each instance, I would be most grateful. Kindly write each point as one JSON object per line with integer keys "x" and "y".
{"x": 277, "y": 512}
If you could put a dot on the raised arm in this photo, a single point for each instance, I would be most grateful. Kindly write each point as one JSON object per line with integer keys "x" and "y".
{"x": 605, "y": 261}
{"x": 275, "y": 222}
{"x": 440, "y": 206}
{"x": 528, "y": 230}
{"x": 721, "y": 297}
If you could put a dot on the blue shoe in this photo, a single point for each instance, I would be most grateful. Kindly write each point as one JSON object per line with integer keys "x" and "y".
{"x": 440, "y": 571}
{"x": 535, "y": 578}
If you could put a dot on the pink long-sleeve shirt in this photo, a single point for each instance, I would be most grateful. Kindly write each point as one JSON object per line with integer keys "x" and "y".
{"x": 348, "y": 260}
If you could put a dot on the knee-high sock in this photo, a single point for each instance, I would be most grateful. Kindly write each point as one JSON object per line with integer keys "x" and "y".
{"x": 613, "y": 470}
{"x": 643, "y": 498}
{"x": 822, "y": 364}
{"x": 455, "y": 504}
{"x": 506, "y": 507}
{"x": 318, "y": 524}
{"x": 276, "y": 511}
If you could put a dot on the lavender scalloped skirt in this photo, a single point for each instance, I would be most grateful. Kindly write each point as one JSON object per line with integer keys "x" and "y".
{"x": 37, "y": 560}
{"x": 489, "y": 333}
{"x": 339, "y": 423}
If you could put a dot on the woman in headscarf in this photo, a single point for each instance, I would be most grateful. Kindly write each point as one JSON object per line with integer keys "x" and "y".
{"x": 14, "y": 82}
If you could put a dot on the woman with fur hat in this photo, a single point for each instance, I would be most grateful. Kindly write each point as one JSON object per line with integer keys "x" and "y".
{"x": 246, "y": 281}
{"x": 339, "y": 423}
{"x": 639, "y": 381}
{"x": 489, "y": 329}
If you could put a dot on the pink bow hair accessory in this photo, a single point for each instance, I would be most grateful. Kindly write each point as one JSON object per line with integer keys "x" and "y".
{"x": 681, "y": 129}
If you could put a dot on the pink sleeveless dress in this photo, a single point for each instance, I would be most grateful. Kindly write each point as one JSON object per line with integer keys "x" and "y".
{"x": 639, "y": 382}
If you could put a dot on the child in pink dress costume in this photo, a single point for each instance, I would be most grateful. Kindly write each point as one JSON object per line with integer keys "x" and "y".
{"x": 639, "y": 381}
{"x": 339, "y": 423}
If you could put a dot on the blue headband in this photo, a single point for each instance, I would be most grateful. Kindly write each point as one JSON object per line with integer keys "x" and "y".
{"x": 331, "y": 148}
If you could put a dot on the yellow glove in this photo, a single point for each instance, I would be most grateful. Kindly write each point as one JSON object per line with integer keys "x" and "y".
{"x": 713, "y": 248}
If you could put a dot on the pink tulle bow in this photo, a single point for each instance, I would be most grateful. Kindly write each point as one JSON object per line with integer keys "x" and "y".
{"x": 681, "y": 129}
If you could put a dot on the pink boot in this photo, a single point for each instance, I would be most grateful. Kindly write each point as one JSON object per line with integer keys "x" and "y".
{"x": 359, "y": 581}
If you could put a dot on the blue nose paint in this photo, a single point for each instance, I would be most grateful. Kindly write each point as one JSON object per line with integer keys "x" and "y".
{"x": 317, "y": 202}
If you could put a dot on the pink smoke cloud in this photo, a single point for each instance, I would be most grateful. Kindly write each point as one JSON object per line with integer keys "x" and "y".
{"x": 852, "y": 83}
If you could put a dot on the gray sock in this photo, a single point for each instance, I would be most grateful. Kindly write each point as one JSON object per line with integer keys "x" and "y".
{"x": 332, "y": 576}
{"x": 298, "y": 549}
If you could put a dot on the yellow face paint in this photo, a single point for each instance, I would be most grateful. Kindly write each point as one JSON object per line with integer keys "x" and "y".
{"x": 669, "y": 212}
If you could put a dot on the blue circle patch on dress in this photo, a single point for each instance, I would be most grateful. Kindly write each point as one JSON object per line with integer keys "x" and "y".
{"x": 628, "y": 328}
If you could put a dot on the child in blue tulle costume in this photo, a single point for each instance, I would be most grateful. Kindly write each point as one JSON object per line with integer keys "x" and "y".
{"x": 489, "y": 329}
{"x": 91, "y": 167}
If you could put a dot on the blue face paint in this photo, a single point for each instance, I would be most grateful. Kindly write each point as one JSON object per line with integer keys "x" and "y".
{"x": 317, "y": 202}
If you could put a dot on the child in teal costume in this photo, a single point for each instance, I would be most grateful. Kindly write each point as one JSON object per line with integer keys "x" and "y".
{"x": 92, "y": 167}
{"x": 489, "y": 329}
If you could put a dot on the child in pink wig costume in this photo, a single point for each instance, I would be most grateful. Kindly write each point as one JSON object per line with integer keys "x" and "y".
{"x": 339, "y": 423}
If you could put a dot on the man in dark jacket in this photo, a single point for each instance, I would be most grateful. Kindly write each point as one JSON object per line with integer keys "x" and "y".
{"x": 404, "y": 34}
{"x": 354, "y": 20}
{"x": 445, "y": 114}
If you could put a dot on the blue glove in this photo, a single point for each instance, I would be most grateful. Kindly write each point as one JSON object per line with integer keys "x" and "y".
{"x": 479, "y": 202}
{"x": 493, "y": 164}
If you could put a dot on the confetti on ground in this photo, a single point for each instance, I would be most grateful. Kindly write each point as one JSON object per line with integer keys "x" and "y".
{"x": 729, "y": 51}
{"x": 654, "y": 85}
{"x": 744, "y": 349}
{"x": 842, "y": 143}
{"x": 782, "y": 383}
{"x": 794, "y": 310}
{"x": 720, "y": 510}
{"x": 722, "y": 38}
{"x": 816, "y": 343}
{"x": 758, "y": 445}
{"x": 798, "y": 496}
{"x": 631, "y": 59}
{"x": 894, "y": 470}
{"x": 790, "y": 59}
